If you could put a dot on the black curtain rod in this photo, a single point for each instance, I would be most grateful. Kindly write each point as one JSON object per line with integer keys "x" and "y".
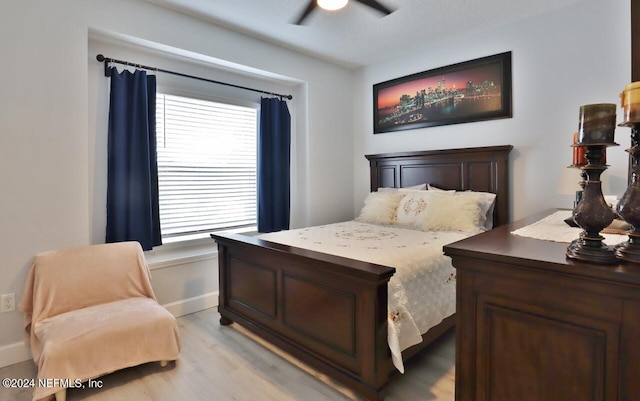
{"x": 107, "y": 60}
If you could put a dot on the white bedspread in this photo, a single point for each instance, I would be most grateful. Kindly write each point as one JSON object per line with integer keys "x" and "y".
{"x": 421, "y": 292}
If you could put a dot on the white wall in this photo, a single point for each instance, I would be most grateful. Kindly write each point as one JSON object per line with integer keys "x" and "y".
{"x": 51, "y": 150}
{"x": 562, "y": 60}
{"x": 50, "y": 145}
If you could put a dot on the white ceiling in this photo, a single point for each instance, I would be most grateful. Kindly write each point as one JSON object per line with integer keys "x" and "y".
{"x": 358, "y": 35}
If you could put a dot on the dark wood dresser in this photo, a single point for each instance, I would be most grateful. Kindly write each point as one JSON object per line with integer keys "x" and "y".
{"x": 533, "y": 325}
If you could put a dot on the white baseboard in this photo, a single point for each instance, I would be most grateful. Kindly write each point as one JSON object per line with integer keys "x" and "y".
{"x": 192, "y": 305}
{"x": 20, "y": 352}
{"x": 14, "y": 353}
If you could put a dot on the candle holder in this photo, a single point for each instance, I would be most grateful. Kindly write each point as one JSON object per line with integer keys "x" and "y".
{"x": 578, "y": 193}
{"x": 592, "y": 213}
{"x": 629, "y": 205}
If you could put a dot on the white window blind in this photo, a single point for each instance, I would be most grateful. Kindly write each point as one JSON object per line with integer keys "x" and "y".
{"x": 206, "y": 165}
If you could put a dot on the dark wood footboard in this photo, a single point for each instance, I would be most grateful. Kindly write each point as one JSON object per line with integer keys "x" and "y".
{"x": 329, "y": 312}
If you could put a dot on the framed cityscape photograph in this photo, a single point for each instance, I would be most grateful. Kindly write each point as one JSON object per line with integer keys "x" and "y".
{"x": 474, "y": 90}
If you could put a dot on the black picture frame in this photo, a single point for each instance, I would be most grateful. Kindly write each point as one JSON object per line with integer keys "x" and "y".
{"x": 434, "y": 97}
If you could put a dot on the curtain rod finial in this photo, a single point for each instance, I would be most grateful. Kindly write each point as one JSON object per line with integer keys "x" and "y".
{"x": 101, "y": 59}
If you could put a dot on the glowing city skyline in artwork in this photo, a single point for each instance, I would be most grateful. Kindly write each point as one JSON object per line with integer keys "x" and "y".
{"x": 390, "y": 96}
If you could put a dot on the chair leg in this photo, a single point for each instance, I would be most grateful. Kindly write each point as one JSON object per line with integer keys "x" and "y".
{"x": 61, "y": 395}
{"x": 164, "y": 364}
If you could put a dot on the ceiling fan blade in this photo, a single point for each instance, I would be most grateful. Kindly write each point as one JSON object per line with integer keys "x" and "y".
{"x": 310, "y": 7}
{"x": 376, "y": 5}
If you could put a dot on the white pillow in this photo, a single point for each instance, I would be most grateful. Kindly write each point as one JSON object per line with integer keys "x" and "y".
{"x": 380, "y": 207}
{"x": 412, "y": 207}
{"x": 436, "y": 189}
{"x": 488, "y": 201}
{"x": 452, "y": 213}
{"x": 421, "y": 187}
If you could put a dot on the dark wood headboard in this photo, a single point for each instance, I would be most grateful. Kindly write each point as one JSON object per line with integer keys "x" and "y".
{"x": 483, "y": 169}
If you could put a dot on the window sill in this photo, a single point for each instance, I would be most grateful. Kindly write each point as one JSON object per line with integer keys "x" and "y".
{"x": 183, "y": 250}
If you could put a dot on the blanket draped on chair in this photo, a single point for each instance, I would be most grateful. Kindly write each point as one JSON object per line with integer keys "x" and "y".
{"x": 90, "y": 311}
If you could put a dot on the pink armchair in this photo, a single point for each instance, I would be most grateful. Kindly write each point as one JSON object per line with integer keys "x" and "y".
{"x": 90, "y": 311}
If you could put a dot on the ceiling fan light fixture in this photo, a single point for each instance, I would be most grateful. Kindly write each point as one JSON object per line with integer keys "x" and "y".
{"x": 332, "y": 5}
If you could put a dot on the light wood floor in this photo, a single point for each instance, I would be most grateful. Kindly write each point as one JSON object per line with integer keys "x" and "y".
{"x": 226, "y": 363}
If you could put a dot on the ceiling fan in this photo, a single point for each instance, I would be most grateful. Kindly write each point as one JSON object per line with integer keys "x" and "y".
{"x": 338, "y": 4}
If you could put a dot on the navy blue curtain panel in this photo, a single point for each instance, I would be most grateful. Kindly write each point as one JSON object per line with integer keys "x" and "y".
{"x": 133, "y": 212}
{"x": 274, "y": 161}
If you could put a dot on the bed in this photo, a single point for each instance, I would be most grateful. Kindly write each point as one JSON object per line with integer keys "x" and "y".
{"x": 329, "y": 311}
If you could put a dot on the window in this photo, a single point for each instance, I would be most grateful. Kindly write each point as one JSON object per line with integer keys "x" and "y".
{"x": 206, "y": 166}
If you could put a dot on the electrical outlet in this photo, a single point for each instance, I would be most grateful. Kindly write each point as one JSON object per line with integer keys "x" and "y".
{"x": 8, "y": 302}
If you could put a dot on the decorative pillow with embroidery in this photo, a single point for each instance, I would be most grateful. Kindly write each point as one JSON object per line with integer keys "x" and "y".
{"x": 411, "y": 208}
{"x": 448, "y": 212}
{"x": 380, "y": 207}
